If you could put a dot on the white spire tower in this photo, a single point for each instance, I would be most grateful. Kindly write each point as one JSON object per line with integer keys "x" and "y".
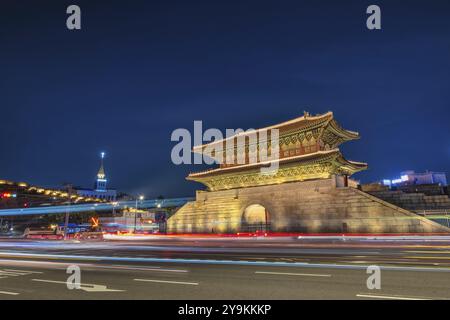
{"x": 101, "y": 176}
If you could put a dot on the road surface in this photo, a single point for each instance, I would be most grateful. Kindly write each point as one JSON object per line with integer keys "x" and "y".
{"x": 253, "y": 268}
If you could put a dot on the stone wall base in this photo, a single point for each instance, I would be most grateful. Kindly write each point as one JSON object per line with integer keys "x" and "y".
{"x": 318, "y": 206}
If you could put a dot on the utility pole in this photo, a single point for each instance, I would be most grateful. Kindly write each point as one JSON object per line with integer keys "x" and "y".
{"x": 135, "y": 213}
{"x": 66, "y": 220}
{"x": 135, "y": 216}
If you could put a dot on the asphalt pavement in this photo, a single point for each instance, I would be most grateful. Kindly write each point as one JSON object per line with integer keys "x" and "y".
{"x": 189, "y": 269}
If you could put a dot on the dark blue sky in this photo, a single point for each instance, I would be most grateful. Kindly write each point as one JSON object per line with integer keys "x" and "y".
{"x": 140, "y": 69}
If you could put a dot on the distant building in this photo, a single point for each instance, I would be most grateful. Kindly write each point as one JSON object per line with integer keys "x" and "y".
{"x": 100, "y": 190}
{"x": 409, "y": 178}
{"x": 23, "y": 195}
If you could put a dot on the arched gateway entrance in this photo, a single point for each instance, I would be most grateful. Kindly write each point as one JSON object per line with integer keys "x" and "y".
{"x": 255, "y": 218}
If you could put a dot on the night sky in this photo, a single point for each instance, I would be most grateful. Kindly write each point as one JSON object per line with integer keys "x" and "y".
{"x": 140, "y": 69}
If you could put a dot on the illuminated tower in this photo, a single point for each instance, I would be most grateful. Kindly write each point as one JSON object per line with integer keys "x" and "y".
{"x": 101, "y": 176}
{"x": 99, "y": 191}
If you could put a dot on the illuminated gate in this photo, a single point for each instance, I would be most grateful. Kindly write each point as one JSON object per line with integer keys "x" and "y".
{"x": 255, "y": 219}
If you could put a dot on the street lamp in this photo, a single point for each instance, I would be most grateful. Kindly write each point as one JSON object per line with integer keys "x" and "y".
{"x": 114, "y": 205}
{"x": 141, "y": 197}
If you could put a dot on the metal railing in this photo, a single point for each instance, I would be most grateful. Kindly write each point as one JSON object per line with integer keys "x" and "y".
{"x": 441, "y": 216}
{"x": 255, "y": 227}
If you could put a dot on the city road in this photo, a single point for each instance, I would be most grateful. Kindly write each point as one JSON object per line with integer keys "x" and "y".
{"x": 187, "y": 268}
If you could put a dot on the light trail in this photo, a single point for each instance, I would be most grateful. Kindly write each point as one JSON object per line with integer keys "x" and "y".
{"x": 9, "y": 293}
{"x": 156, "y": 203}
{"x": 371, "y": 296}
{"x": 217, "y": 262}
{"x": 166, "y": 281}
{"x": 293, "y": 274}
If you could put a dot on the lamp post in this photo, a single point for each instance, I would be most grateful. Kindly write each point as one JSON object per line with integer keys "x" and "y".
{"x": 135, "y": 213}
